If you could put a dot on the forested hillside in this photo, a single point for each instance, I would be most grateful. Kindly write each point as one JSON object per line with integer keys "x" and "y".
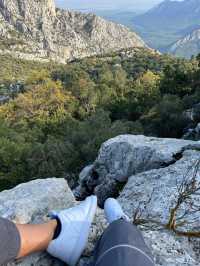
{"x": 59, "y": 115}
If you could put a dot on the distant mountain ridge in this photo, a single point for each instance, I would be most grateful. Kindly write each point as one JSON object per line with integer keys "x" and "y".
{"x": 168, "y": 22}
{"x": 32, "y": 29}
{"x": 171, "y": 13}
{"x": 187, "y": 46}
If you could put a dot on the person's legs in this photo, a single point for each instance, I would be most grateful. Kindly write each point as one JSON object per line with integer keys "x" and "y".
{"x": 9, "y": 241}
{"x": 35, "y": 237}
{"x": 121, "y": 243}
{"x": 17, "y": 241}
{"x": 76, "y": 223}
{"x": 66, "y": 243}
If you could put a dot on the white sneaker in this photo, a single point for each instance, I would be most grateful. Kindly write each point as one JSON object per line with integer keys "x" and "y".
{"x": 76, "y": 223}
{"x": 113, "y": 211}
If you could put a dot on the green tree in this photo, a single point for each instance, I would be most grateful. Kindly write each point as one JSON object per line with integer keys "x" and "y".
{"x": 165, "y": 119}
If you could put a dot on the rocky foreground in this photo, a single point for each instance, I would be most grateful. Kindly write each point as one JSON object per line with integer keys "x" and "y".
{"x": 140, "y": 171}
{"x": 37, "y": 30}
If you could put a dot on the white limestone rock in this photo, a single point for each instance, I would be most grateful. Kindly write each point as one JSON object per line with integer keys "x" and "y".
{"x": 126, "y": 155}
{"x": 161, "y": 186}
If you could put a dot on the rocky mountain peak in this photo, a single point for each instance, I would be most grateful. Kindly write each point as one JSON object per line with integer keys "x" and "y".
{"x": 187, "y": 46}
{"x": 39, "y": 30}
{"x": 27, "y": 16}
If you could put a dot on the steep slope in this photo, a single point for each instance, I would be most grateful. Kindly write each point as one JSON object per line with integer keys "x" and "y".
{"x": 187, "y": 46}
{"x": 34, "y": 29}
{"x": 168, "y": 22}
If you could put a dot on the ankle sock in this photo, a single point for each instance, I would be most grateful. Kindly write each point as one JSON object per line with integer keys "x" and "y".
{"x": 113, "y": 211}
{"x": 58, "y": 228}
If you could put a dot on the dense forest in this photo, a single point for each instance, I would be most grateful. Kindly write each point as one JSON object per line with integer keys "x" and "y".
{"x": 57, "y": 116}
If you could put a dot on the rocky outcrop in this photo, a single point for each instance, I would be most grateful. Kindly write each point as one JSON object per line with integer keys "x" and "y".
{"x": 37, "y": 30}
{"x": 159, "y": 187}
{"x": 151, "y": 171}
{"x": 187, "y": 46}
{"x": 126, "y": 155}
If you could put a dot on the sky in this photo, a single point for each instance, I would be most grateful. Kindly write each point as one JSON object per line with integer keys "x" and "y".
{"x": 107, "y": 4}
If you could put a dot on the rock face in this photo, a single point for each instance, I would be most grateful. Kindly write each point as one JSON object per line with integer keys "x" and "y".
{"x": 158, "y": 187}
{"x": 126, "y": 155}
{"x": 187, "y": 46}
{"x": 37, "y": 30}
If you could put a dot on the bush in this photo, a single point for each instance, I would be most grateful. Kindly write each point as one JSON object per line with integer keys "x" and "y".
{"x": 166, "y": 118}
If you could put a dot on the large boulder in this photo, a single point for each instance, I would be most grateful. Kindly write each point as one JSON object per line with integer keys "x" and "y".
{"x": 126, "y": 155}
{"x": 159, "y": 187}
{"x": 156, "y": 192}
{"x": 31, "y": 202}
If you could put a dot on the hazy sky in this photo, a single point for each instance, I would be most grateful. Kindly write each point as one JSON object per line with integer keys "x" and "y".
{"x": 107, "y": 4}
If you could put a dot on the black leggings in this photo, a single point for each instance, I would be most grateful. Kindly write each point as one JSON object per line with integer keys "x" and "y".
{"x": 120, "y": 244}
{"x": 9, "y": 241}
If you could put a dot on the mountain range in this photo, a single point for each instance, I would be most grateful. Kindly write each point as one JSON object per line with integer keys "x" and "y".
{"x": 170, "y": 24}
{"x": 171, "y": 15}
{"x": 38, "y": 30}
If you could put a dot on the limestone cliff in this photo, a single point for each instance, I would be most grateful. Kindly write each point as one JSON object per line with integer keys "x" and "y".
{"x": 35, "y": 29}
